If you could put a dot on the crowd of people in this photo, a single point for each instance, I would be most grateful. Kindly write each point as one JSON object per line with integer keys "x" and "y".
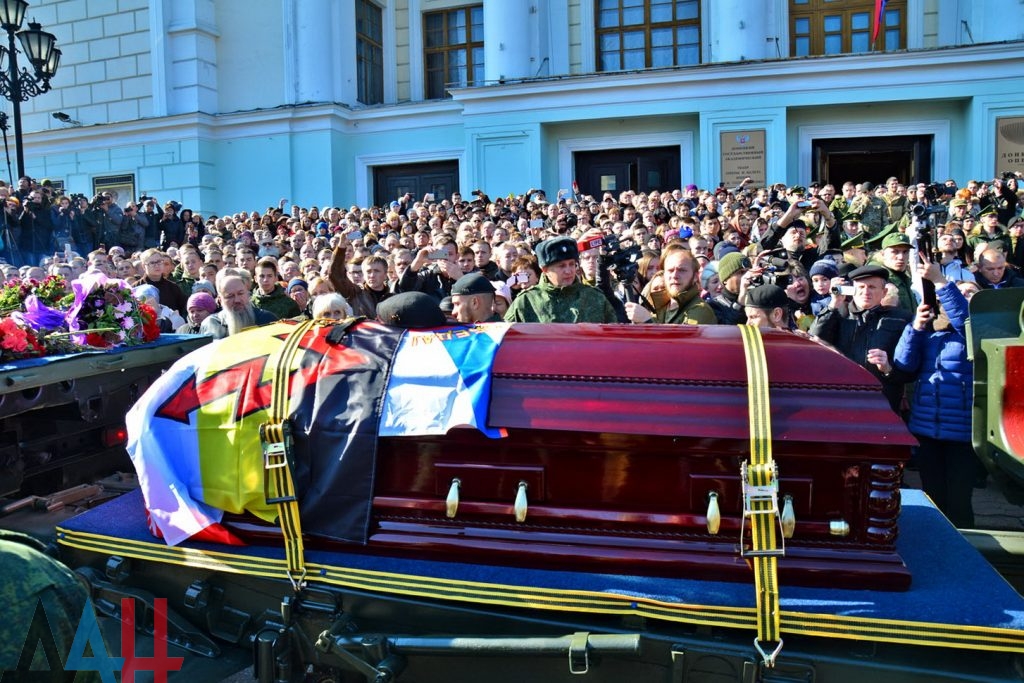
{"x": 883, "y": 273}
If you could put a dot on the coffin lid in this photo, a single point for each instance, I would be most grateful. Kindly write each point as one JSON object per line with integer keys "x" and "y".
{"x": 680, "y": 380}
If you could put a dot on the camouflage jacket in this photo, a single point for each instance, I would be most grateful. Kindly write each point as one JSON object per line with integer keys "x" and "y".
{"x": 32, "y": 579}
{"x": 545, "y": 303}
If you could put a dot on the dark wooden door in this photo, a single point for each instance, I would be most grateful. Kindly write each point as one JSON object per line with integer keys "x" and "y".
{"x": 391, "y": 182}
{"x": 907, "y": 157}
{"x": 616, "y": 170}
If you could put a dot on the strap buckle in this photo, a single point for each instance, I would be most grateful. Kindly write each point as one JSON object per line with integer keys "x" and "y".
{"x": 761, "y": 500}
{"x": 277, "y": 452}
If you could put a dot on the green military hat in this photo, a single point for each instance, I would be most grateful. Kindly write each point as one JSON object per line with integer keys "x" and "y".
{"x": 855, "y": 242}
{"x": 875, "y": 240}
{"x": 991, "y": 208}
{"x": 959, "y": 202}
{"x": 852, "y": 216}
{"x": 896, "y": 239}
{"x": 797, "y": 189}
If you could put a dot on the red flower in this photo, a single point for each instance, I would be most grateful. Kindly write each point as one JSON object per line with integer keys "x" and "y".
{"x": 150, "y": 328}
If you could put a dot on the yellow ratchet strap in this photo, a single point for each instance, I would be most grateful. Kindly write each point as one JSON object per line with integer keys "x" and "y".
{"x": 761, "y": 499}
{"x": 276, "y": 438}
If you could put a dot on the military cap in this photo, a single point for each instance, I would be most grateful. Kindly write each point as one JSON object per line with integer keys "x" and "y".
{"x": 767, "y": 297}
{"x": 855, "y": 242}
{"x": 411, "y": 310}
{"x": 991, "y": 208}
{"x": 556, "y": 249}
{"x": 870, "y": 270}
{"x": 875, "y": 240}
{"x": 896, "y": 239}
{"x": 797, "y": 189}
{"x": 473, "y": 283}
{"x": 852, "y": 217}
{"x": 959, "y": 202}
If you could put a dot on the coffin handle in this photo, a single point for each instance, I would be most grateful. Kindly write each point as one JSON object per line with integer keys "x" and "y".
{"x": 452, "y": 502}
{"x": 788, "y": 518}
{"x": 520, "y": 504}
{"x": 714, "y": 514}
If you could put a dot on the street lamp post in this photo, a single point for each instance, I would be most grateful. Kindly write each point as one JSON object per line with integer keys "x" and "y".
{"x": 19, "y": 85}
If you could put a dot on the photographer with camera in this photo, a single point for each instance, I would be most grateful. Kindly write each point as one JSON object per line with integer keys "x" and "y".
{"x": 63, "y": 216}
{"x": 933, "y": 351}
{"x": 98, "y": 222}
{"x": 148, "y": 209}
{"x": 673, "y": 297}
{"x": 865, "y": 331}
{"x": 1004, "y": 198}
{"x": 433, "y": 271}
{"x": 791, "y": 228}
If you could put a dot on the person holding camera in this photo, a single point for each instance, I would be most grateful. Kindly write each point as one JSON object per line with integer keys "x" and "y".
{"x": 933, "y": 351}
{"x": 98, "y": 222}
{"x": 864, "y": 330}
{"x": 791, "y": 228}
{"x": 433, "y": 271}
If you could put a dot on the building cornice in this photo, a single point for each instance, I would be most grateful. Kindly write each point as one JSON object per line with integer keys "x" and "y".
{"x": 285, "y": 120}
{"x": 767, "y": 78}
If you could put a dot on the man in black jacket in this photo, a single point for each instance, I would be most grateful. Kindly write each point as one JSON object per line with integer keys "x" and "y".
{"x": 865, "y": 331}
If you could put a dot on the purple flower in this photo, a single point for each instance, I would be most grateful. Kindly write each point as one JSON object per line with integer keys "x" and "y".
{"x": 39, "y": 316}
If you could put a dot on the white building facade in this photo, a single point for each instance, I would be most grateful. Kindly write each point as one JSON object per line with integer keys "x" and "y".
{"x": 227, "y": 105}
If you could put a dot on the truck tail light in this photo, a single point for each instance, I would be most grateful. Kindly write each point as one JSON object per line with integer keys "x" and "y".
{"x": 114, "y": 436}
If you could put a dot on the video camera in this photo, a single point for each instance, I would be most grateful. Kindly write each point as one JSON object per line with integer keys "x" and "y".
{"x": 774, "y": 267}
{"x": 622, "y": 263}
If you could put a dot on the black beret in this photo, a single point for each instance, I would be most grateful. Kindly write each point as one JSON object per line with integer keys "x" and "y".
{"x": 767, "y": 297}
{"x": 473, "y": 283}
{"x": 411, "y": 310}
{"x": 556, "y": 249}
{"x": 869, "y": 270}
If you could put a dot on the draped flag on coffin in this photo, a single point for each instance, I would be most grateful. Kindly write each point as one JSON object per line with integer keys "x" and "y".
{"x": 194, "y": 435}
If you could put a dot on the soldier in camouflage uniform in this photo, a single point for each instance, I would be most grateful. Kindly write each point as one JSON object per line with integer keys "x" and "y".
{"x": 31, "y": 578}
{"x": 872, "y": 210}
{"x": 560, "y": 297}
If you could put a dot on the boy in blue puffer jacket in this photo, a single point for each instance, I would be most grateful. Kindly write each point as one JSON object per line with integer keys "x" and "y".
{"x": 940, "y": 410}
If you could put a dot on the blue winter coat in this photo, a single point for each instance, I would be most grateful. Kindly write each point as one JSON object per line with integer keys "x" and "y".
{"x": 941, "y": 405}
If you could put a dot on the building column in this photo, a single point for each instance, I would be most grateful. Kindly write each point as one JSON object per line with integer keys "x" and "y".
{"x": 507, "y": 40}
{"x": 319, "y": 70}
{"x": 740, "y": 30}
{"x": 190, "y": 57}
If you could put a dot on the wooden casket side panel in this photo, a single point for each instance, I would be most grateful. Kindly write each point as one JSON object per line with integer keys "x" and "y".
{"x": 620, "y": 432}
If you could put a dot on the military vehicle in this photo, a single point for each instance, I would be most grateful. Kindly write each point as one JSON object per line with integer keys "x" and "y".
{"x": 618, "y": 532}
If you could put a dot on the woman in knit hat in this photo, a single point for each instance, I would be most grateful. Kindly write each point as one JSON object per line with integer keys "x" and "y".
{"x": 200, "y": 306}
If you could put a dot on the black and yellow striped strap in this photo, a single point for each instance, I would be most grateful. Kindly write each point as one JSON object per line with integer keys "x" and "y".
{"x": 761, "y": 500}
{"x": 276, "y": 437}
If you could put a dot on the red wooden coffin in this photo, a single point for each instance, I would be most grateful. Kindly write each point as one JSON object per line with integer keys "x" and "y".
{"x": 617, "y": 436}
{"x": 620, "y": 433}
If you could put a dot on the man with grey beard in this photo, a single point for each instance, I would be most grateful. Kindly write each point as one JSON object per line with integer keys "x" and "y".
{"x": 237, "y": 312}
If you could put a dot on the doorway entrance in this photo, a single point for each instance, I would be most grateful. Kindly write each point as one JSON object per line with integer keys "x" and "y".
{"x": 391, "y": 182}
{"x": 617, "y": 170}
{"x": 873, "y": 159}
